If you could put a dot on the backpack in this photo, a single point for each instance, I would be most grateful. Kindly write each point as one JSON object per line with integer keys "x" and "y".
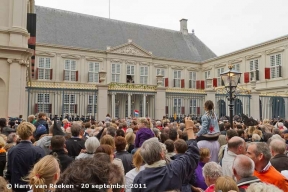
{"x": 40, "y": 130}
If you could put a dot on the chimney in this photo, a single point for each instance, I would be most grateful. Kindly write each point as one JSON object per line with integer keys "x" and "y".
{"x": 183, "y": 26}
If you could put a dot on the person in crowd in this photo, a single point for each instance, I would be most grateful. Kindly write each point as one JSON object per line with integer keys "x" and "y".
{"x": 23, "y": 156}
{"x": 44, "y": 174}
{"x": 173, "y": 134}
{"x": 226, "y": 184}
{"x": 204, "y": 158}
{"x": 143, "y": 133}
{"x": 58, "y": 148}
{"x": 157, "y": 175}
{"x": 41, "y": 126}
{"x": 96, "y": 173}
{"x": 75, "y": 144}
{"x": 263, "y": 187}
{"x": 31, "y": 119}
{"x": 120, "y": 132}
{"x": 116, "y": 178}
{"x": 236, "y": 146}
{"x": 108, "y": 140}
{"x": 208, "y": 135}
{"x": 211, "y": 172}
{"x": 170, "y": 148}
{"x": 2, "y": 156}
{"x": 45, "y": 141}
{"x": 130, "y": 140}
{"x": 91, "y": 144}
{"x": 4, "y": 127}
{"x": 139, "y": 166}
{"x": 121, "y": 153}
{"x": 223, "y": 149}
{"x": 3, "y": 185}
{"x": 159, "y": 125}
{"x": 256, "y": 137}
{"x": 243, "y": 169}
{"x": 259, "y": 152}
{"x": 279, "y": 160}
{"x": 164, "y": 137}
{"x": 111, "y": 131}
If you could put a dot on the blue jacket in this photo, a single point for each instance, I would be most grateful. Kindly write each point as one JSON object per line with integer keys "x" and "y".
{"x": 21, "y": 158}
{"x": 171, "y": 176}
{"x": 209, "y": 125}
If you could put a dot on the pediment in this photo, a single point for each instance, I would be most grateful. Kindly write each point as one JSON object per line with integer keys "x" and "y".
{"x": 45, "y": 53}
{"x": 276, "y": 50}
{"x": 92, "y": 58}
{"x": 193, "y": 69}
{"x": 130, "y": 49}
{"x": 178, "y": 67}
{"x": 160, "y": 66}
{"x": 68, "y": 56}
{"x": 253, "y": 56}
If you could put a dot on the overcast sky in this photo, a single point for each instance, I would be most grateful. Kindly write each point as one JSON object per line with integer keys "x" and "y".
{"x": 223, "y": 25}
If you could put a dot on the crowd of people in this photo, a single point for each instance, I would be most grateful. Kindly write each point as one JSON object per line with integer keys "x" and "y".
{"x": 145, "y": 155}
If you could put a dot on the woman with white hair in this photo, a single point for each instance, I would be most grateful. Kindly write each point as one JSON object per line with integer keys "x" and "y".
{"x": 91, "y": 144}
{"x": 262, "y": 187}
{"x": 211, "y": 172}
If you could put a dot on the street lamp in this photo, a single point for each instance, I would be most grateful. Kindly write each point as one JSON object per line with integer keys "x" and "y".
{"x": 231, "y": 79}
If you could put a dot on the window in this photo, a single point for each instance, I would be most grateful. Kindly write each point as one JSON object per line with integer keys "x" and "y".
{"x": 193, "y": 107}
{"x": 235, "y": 67}
{"x": 254, "y": 69}
{"x": 207, "y": 74}
{"x": 116, "y": 69}
{"x": 162, "y": 72}
{"x": 177, "y": 106}
{"x": 92, "y": 104}
{"x": 143, "y": 75}
{"x": 177, "y": 78}
{"x": 93, "y": 73}
{"x": 130, "y": 73}
{"x": 70, "y": 103}
{"x": 70, "y": 73}
{"x": 275, "y": 63}
{"x": 192, "y": 80}
{"x": 219, "y": 79}
{"x": 43, "y": 103}
{"x": 44, "y": 68}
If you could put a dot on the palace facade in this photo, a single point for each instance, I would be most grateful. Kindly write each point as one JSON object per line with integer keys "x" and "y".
{"x": 91, "y": 66}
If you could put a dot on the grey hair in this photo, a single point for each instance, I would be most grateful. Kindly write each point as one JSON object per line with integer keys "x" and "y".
{"x": 277, "y": 145}
{"x": 151, "y": 150}
{"x": 11, "y": 137}
{"x": 91, "y": 144}
{"x": 156, "y": 131}
{"x": 158, "y": 123}
{"x": 100, "y": 124}
{"x": 262, "y": 187}
{"x": 182, "y": 126}
{"x": 107, "y": 124}
{"x": 212, "y": 170}
{"x": 262, "y": 147}
{"x": 256, "y": 137}
{"x": 244, "y": 166}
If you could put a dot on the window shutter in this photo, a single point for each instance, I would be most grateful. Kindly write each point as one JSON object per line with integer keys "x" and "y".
{"x": 202, "y": 84}
{"x": 166, "y": 110}
{"x": 36, "y": 108}
{"x": 75, "y": 108}
{"x": 76, "y": 75}
{"x": 182, "y": 110}
{"x": 166, "y": 82}
{"x": 198, "y": 110}
{"x": 257, "y": 75}
{"x": 246, "y": 77}
{"x": 51, "y": 74}
{"x": 182, "y": 83}
{"x": 198, "y": 84}
{"x": 267, "y": 73}
{"x": 190, "y": 83}
{"x": 280, "y": 71}
{"x": 50, "y": 108}
{"x": 36, "y": 74}
{"x": 214, "y": 82}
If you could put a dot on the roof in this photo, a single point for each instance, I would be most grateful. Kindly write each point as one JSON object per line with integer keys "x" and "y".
{"x": 66, "y": 28}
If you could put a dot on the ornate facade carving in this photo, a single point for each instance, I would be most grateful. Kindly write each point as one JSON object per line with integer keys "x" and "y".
{"x": 276, "y": 50}
{"x": 160, "y": 66}
{"x": 20, "y": 61}
{"x": 130, "y": 49}
{"x": 62, "y": 85}
{"x": 253, "y": 56}
{"x": 233, "y": 61}
{"x": 132, "y": 87}
{"x": 68, "y": 56}
{"x": 177, "y": 67}
{"x": 45, "y": 53}
{"x": 220, "y": 65}
{"x": 91, "y": 58}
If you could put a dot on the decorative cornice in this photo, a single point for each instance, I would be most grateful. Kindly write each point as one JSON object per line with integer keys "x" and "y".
{"x": 193, "y": 68}
{"x": 128, "y": 62}
{"x": 234, "y": 61}
{"x": 68, "y": 56}
{"x": 220, "y": 65}
{"x": 181, "y": 90}
{"x": 20, "y": 61}
{"x": 207, "y": 68}
{"x": 144, "y": 63}
{"x": 92, "y": 58}
{"x": 132, "y": 87}
{"x": 116, "y": 60}
{"x": 56, "y": 85}
{"x": 253, "y": 56}
{"x": 45, "y": 53}
{"x": 177, "y": 67}
{"x": 160, "y": 66}
{"x": 239, "y": 90}
{"x": 275, "y": 50}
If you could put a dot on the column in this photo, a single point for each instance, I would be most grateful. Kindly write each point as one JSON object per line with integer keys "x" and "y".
{"x": 254, "y": 105}
{"x": 129, "y": 104}
{"x": 211, "y": 95}
{"x": 113, "y": 105}
{"x": 160, "y": 102}
{"x": 144, "y": 105}
{"x": 102, "y": 102}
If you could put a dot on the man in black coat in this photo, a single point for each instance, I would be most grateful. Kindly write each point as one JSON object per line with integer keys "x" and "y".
{"x": 122, "y": 154}
{"x": 75, "y": 144}
{"x": 279, "y": 159}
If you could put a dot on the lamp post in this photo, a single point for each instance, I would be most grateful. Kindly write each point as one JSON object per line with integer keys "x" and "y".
{"x": 231, "y": 79}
